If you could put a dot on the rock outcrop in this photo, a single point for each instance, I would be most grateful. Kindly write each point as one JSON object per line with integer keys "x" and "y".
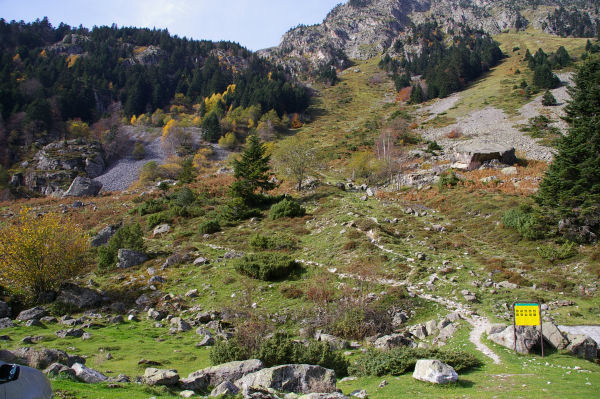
{"x": 527, "y": 338}
{"x": 128, "y": 258}
{"x": 83, "y": 187}
{"x": 78, "y": 297}
{"x": 216, "y": 375}
{"x": 434, "y": 371}
{"x": 297, "y": 378}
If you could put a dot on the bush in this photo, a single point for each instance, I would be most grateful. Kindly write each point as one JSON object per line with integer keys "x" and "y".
{"x": 151, "y": 206}
{"x": 159, "y": 218}
{"x": 278, "y": 350}
{"x": 402, "y": 360}
{"x": 209, "y": 227}
{"x": 359, "y": 322}
{"x": 265, "y": 266}
{"x": 139, "y": 152}
{"x": 130, "y": 237}
{"x": 183, "y": 197}
{"x": 286, "y": 208}
{"x": 552, "y": 254}
{"x": 38, "y": 254}
{"x": 271, "y": 242}
{"x": 237, "y": 209}
{"x": 526, "y": 221}
{"x": 448, "y": 180}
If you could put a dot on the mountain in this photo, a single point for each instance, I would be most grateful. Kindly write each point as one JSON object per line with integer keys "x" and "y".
{"x": 361, "y": 29}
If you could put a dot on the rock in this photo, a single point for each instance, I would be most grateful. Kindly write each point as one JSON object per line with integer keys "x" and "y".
{"x": 153, "y": 376}
{"x": 508, "y": 285}
{"x": 192, "y": 293}
{"x": 206, "y": 340}
{"x": 72, "y": 332}
{"x": 434, "y": 371}
{"x": 94, "y": 166}
{"x": 116, "y": 319}
{"x": 393, "y": 341}
{"x": 361, "y": 394}
{"x": 418, "y": 331}
{"x": 331, "y": 395}
{"x": 128, "y": 258}
{"x": 78, "y": 297}
{"x": 553, "y": 336}
{"x": 56, "y": 369}
{"x": 156, "y": 314}
{"x": 156, "y": 280}
{"x": 225, "y": 388}
{"x": 83, "y": 187}
{"x": 398, "y": 319}
{"x": 370, "y": 192}
{"x": 200, "y": 261}
{"x": 104, "y": 235}
{"x": 527, "y": 338}
{"x": 180, "y": 325}
{"x": 7, "y": 356}
{"x": 34, "y": 323}
{"x": 161, "y": 229}
{"x": 495, "y": 328}
{"x": 364, "y": 198}
{"x": 470, "y": 297}
{"x": 42, "y": 358}
{"x": 447, "y": 332}
{"x": 383, "y": 383}
{"x": 5, "y": 322}
{"x": 431, "y": 327}
{"x": 88, "y": 375}
{"x": 216, "y": 375}
{"x": 334, "y": 342}
{"x": 473, "y": 155}
{"x": 4, "y": 310}
{"x": 511, "y": 170}
{"x": 32, "y": 314}
{"x": 298, "y": 378}
{"x": 187, "y": 394}
{"x": 584, "y": 347}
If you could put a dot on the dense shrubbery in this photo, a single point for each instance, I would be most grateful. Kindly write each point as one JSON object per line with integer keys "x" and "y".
{"x": 281, "y": 349}
{"x": 265, "y": 266}
{"x": 402, "y": 360}
{"x": 129, "y": 237}
{"x": 526, "y": 221}
{"x": 286, "y": 209}
{"x": 209, "y": 227}
{"x": 275, "y": 242}
{"x": 448, "y": 180}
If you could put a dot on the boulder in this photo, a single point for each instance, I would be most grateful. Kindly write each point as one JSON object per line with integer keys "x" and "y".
{"x": 72, "y": 332}
{"x": 4, "y": 310}
{"x": 156, "y": 314}
{"x": 553, "y": 336}
{"x": 225, "y": 388}
{"x": 360, "y": 394}
{"x": 206, "y": 340}
{"x": 94, "y": 166}
{"x": 393, "y": 341}
{"x": 88, "y": 375}
{"x": 128, "y": 258}
{"x": 7, "y": 356}
{"x": 334, "y": 342}
{"x": 297, "y": 378}
{"x": 161, "y": 229}
{"x": 56, "y": 369}
{"x": 434, "y": 371}
{"x": 473, "y": 155}
{"x": 32, "y": 314}
{"x": 83, "y": 187}
{"x": 156, "y": 280}
{"x": 164, "y": 377}
{"x": 332, "y": 395}
{"x": 584, "y": 347}
{"x": 104, "y": 235}
{"x": 42, "y": 358}
{"x": 527, "y": 338}
{"x": 180, "y": 325}
{"x": 79, "y": 297}
{"x": 187, "y": 394}
{"x": 5, "y": 322}
{"x": 447, "y": 332}
{"x": 431, "y": 327}
{"x": 216, "y": 375}
{"x": 418, "y": 331}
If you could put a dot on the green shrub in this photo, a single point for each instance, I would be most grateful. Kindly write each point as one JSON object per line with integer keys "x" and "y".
{"x": 432, "y": 147}
{"x": 139, "y": 152}
{"x": 402, "y": 360}
{"x": 151, "y": 206}
{"x": 228, "y": 351}
{"x": 286, "y": 209}
{"x": 183, "y": 197}
{"x": 448, "y": 180}
{"x": 209, "y": 227}
{"x": 159, "y": 218}
{"x": 526, "y": 221}
{"x": 275, "y": 242}
{"x": 130, "y": 237}
{"x": 265, "y": 266}
{"x": 237, "y": 209}
{"x": 552, "y": 253}
{"x": 359, "y": 322}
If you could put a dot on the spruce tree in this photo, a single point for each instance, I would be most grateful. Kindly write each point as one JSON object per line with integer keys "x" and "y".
{"x": 549, "y": 100}
{"x": 251, "y": 171}
{"x": 570, "y": 191}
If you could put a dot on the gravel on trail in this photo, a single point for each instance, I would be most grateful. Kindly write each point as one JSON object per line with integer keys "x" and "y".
{"x": 127, "y": 170}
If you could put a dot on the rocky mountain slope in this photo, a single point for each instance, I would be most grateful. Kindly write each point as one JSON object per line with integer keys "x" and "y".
{"x": 361, "y": 29}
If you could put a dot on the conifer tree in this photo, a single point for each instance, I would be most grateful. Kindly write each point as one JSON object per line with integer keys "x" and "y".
{"x": 570, "y": 191}
{"x": 251, "y": 171}
{"x": 548, "y": 100}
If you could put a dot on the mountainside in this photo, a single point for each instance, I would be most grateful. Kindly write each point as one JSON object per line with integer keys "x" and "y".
{"x": 362, "y": 29}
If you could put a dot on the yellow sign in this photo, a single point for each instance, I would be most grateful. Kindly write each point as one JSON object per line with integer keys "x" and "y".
{"x": 527, "y": 314}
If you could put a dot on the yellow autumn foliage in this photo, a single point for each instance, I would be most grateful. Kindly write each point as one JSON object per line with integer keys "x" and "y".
{"x": 39, "y": 253}
{"x": 202, "y": 159}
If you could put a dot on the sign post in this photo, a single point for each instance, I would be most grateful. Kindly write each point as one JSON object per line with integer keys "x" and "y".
{"x": 527, "y": 314}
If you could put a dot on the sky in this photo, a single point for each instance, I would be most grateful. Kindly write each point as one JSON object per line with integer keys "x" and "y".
{"x": 255, "y": 24}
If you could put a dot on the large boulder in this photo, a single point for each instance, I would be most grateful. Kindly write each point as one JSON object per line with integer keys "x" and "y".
{"x": 42, "y": 358}
{"x": 394, "y": 341}
{"x": 214, "y": 376}
{"x": 5, "y": 322}
{"x": 104, "y": 235}
{"x": 4, "y": 310}
{"x": 88, "y": 375}
{"x": 472, "y": 155}
{"x": 334, "y": 342}
{"x": 153, "y": 376}
{"x": 527, "y": 338}
{"x": 32, "y": 314}
{"x": 94, "y": 166}
{"x": 297, "y": 378}
{"x": 434, "y": 371}
{"x": 128, "y": 258}
{"x": 83, "y": 187}
{"x": 225, "y": 388}
{"x": 330, "y": 395}
{"x": 58, "y": 369}
{"x": 554, "y": 336}
{"x": 78, "y": 297}
{"x": 584, "y": 347}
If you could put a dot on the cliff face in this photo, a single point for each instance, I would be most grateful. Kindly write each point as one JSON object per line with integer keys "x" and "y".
{"x": 362, "y": 29}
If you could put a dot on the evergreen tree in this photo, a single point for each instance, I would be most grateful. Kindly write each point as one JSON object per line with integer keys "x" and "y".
{"x": 251, "y": 171}
{"x": 543, "y": 78}
{"x": 548, "y": 100}
{"x": 416, "y": 95}
{"x": 570, "y": 191}
{"x": 212, "y": 127}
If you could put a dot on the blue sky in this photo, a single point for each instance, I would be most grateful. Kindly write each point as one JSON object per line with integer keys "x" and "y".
{"x": 255, "y": 24}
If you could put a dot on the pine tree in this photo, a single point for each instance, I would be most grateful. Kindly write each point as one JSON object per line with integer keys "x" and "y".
{"x": 416, "y": 95}
{"x": 570, "y": 191}
{"x": 549, "y": 100}
{"x": 251, "y": 171}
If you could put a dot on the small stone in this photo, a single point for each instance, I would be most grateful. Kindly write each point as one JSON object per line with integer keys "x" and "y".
{"x": 383, "y": 384}
{"x": 187, "y": 394}
{"x": 361, "y": 394}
